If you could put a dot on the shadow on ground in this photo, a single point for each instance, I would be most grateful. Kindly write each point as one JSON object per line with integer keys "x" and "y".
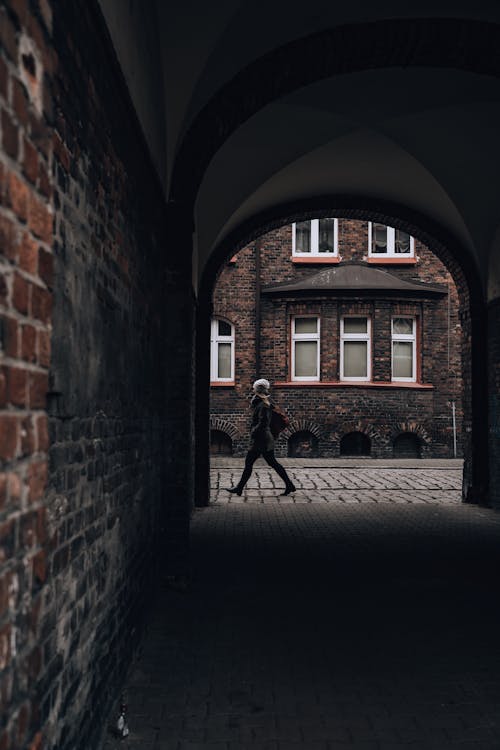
{"x": 321, "y": 627}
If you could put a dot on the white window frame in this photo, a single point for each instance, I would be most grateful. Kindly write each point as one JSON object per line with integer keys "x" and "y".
{"x": 405, "y": 337}
{"x": 391, "y": 243}
{"x": 306, "y": 337}
{"x": 356, "y": 337}
{"x": 315, "y": 253}
{"x": 215, "y": 340}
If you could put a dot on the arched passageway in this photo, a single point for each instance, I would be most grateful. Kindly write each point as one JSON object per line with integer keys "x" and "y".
{"x": 470, "y": 303}
{"x": 140, "y": 145}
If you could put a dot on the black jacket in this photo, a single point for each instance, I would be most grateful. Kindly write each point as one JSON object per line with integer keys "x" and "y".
{"x": 261, "y": 438}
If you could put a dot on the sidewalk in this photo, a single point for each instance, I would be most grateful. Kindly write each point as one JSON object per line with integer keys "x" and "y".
{"x": 326, "y": 626}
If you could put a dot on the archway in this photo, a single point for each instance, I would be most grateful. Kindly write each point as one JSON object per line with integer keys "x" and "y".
{"x": 471, "y": 315}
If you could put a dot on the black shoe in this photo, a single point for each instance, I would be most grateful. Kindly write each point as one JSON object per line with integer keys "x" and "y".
{"x": 288, "y": 489}
{"x": 235, "y": 490}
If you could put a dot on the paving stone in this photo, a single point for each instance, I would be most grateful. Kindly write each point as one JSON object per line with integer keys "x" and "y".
{"x": 327, "y": 624}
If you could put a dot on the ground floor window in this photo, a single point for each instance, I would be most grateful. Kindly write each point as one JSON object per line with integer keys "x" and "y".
{"x": 305, "y": 348}
{"x": 221, "y": 351}
{"x": 404, "y": 345}
{"x": 355, "y": 348}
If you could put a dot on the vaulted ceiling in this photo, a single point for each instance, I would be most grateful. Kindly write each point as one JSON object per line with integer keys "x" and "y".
{"x": 425, "y": 137}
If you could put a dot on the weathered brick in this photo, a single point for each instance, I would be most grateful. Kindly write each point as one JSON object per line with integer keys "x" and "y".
{"x": 42, "y": 430}
{"x": 21, "y": 294}
{"x": 10, "y": 331}
{"x": 38, "y": 387}
{"x": 8, "y": 238}
{"x": 20, "y": 102}
{"x": 29, "y": 340}
{"x": 9, "y": 436}
{"x": 37, "y": 479}
{"x": 41, "y": 304}
{"x": 17, "y": 386}
{"x": 17, "y": 195}
{"x": 28, "y": 436}
{"x": 30, "y": 161}
{"x": 43, "y": 347}
{"x": 40, "y": 218}
{"x": 28, "y": 254}
{"x": 10, "y": 135}
{"x": 46, "y": 267}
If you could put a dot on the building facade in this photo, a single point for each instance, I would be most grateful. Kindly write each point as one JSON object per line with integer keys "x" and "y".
{"x": 356, "y": 325}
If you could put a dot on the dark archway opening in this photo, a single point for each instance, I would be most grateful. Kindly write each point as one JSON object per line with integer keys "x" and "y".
{"x": 355, "y": 444}
{"x": 407, "y": 445}
{"x": 220, "y": 443}
{"x": 303, "y": 444}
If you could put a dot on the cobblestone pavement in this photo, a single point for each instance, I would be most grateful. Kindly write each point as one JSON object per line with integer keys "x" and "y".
{"x": 329, "y": 625}
{"x": 373, "y": 481}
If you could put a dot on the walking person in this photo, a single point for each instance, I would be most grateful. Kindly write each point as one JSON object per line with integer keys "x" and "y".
{"x": 261, "y": 439}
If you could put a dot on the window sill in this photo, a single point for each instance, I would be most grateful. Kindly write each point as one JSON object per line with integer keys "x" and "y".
{"x": 352, "y": 384}
{"x": 217, "y": 384}
{"x": 314, "y": 259}
{"x": 393, "y": 261}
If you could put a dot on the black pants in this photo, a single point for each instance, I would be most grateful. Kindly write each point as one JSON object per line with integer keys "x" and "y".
{"x": 269, "y": 458}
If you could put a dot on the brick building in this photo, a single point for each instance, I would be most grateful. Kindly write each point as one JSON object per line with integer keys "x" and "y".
{"x": 356, "y": 325}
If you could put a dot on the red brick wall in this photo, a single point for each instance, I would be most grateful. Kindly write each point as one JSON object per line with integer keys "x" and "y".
{"x": 83, "y": 285}
{"x": 334, "y": 411}
{"x": 26, "y": 282}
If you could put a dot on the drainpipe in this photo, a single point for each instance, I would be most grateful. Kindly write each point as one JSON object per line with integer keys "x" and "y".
{"x": 258, "y": 248}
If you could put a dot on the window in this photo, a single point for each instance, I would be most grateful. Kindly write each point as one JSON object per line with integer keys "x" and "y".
{"x": 387, "y": 242}
{"x": 404, "y": 345}
{"x": 316, "y": 238}
{"x": 355, "y": 355}
{"x": 305, "y": 348}
{"x": 221, "y": 351}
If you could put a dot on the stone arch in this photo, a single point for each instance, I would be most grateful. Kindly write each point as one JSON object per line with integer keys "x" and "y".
{"x": 360, "y": 425}
{"x": 303, "y": 425}
{"x": 413, "y": 427}
{"x": 223, "y": 425}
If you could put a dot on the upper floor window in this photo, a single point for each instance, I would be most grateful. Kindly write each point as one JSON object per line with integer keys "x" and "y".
{"x": 305, "y": 348}
{"x": 404, "y": 346}
{"x": 316, "y": 238}
{"x": 221, "y": 351}
{"x": 387, "y": 242}
{"x": 355, "y": 347}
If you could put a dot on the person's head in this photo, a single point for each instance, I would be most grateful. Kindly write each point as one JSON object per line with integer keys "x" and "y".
{"x": 262, "y": 387}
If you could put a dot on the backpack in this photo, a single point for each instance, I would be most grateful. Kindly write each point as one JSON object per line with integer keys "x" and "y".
{"x": 279, "y": 421}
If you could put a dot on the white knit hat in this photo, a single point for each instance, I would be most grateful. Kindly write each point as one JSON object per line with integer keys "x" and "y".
{"x": 261, "y": 386}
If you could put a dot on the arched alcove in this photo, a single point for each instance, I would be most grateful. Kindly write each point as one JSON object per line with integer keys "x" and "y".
{"x": 407, "y": 445}
{"x": 355, "y": 444}
{"x": 302, "y": 444}
{"x": 220, "y": 443}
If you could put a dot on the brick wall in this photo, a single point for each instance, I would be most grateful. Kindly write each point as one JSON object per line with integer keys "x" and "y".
{"x": 83, "y": 376}
{"x": 494, "y": 400}
{"x": 331, "y": 412}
